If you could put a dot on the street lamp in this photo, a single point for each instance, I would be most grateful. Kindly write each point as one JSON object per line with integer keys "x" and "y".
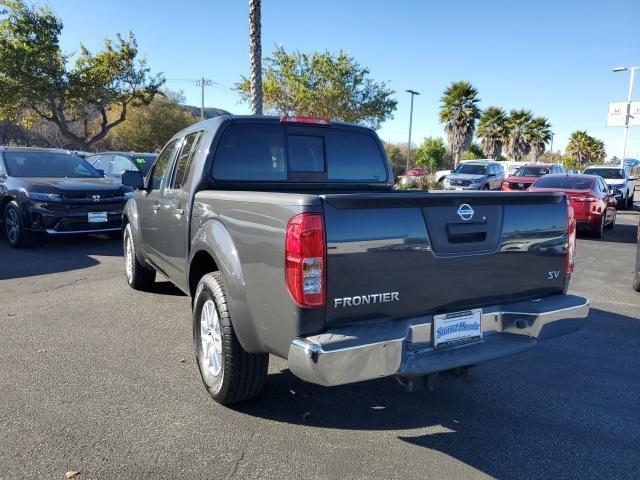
{"x": 632, "y": 70}
{"x": 413, "y": 93}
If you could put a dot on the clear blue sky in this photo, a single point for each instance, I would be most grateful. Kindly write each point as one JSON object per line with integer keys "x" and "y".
{"x": 553, "y": 57}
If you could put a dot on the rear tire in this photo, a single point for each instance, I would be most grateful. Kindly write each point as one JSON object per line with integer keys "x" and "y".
{"x": 229, "y": 373}
{"x": 139, "y": 277}
{"x": 611, "y": 225}
{"x": 14, "y": 229}
{"x": 599, "y": 230}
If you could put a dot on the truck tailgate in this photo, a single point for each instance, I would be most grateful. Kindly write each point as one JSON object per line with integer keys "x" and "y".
{"x": 403, "y": 254}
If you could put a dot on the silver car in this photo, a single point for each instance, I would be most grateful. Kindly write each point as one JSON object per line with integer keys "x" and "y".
{"x": 475, "y": 175}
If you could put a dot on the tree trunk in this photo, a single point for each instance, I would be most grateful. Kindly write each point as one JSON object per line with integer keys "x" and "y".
{"x": 255, "y": 57}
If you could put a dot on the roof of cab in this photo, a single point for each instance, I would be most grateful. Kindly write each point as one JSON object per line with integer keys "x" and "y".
{"x": 218, "y": 121}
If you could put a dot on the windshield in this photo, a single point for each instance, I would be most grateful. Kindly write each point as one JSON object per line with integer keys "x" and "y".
{"x": 612, "y": 173}
{"x": 144, "y": 161}
{"x": 48, "y": 165}
{"x": 471, "y": 169}
{"x": 565, "y": 183}
{"x": 532, "y": 171}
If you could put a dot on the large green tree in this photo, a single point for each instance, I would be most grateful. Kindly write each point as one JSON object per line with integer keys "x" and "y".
{"x": 537, "y": 134}
{"x": 431, "y": 154}
{"x": 585, "y": 149}
{"x": 148, "y": 127}
{"x": 492, "y": 130}
{"x": 459, "y": 112}
{"x": 321, "y": 85}
{"x": 517, "y": 123}
{"x": 37, "y": 77}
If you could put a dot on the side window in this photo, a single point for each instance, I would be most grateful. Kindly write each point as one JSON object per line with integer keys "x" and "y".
{"x": 185, "y": 158}
{"x": 120, "y": 164}
{"x": 101, "y": 162}
{"x": 161, "y": 168}
{"x": 2, "y": 170}
{"x": 491, "y": 170}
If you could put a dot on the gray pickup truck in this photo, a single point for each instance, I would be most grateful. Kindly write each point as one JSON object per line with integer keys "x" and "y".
{"x": 288, "y": 237}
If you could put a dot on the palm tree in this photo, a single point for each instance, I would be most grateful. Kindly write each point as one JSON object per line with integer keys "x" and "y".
{"x": 491, "y": 131}
{"x": 516, "y": 124}
{"x": 255, "y": 57}
{"x": 537, "y": 134}
{"x": 585, "y": 149}
{"x": 459, "y": 112}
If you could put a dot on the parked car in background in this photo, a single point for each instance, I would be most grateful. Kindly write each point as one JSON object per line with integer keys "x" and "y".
{"x": 475, "y": 175}
{"x": 113, "y": 164}
{"x": 289, "y": 238}
{"x": 593, "y": 203}
{"x": 510, "y": 166}
{"x": 55, "y": 192}
{"x": 618, "y": 179}
{"x": 528, "y": 173}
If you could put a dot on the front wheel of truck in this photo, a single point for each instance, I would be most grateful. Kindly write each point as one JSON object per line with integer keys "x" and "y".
{"x": 229, "y": 374}
{"x": 139, "y": 277}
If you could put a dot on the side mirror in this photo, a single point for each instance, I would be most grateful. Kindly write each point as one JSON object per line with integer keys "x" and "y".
{"x": 100, "y": 171}
{"x": 133, "y": 178}
{"x": 633, "y": 179}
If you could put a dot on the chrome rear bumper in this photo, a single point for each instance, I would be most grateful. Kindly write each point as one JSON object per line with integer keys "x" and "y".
{"x": 404, "y": 347}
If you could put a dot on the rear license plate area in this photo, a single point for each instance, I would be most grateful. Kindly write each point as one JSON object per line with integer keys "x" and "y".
{"x": 457, "y": 328}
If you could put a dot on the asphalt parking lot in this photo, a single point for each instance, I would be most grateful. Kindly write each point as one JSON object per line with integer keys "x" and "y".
{"x": 98, "y": 378}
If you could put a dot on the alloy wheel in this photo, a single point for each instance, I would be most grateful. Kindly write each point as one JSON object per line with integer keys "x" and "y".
{"x": 128, "y": 257}
{"x": 12, "y": 226}
{"x": 210, "y": 339}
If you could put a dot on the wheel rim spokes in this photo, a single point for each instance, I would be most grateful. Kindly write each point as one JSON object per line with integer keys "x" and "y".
{"x": 129, "y": 257}
{"x": 12, "y": 226}
{"x": 211, "y": 339}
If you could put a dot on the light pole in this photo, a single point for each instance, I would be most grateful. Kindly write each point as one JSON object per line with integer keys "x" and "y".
{"x": 413, "y": 93}
{"x": 632, "y": 70}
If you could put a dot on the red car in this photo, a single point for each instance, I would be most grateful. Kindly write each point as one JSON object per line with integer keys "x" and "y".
{"x": 417, "y": 172}
{"x": 527, "y": 174}
{"x": 593, "y": 203}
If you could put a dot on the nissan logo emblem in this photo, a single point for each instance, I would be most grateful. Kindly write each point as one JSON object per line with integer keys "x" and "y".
{"x": 465, "y": 212}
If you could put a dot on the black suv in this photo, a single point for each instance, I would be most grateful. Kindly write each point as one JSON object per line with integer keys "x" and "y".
{"x": 55, "y": 192}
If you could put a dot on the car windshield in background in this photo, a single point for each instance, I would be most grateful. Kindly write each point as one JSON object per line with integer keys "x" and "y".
{"x": 48, "y": 165}
{"x": 144, "y": 162}
{"x": 566, "y": 183}
{"x": 259, "y": 153}
{"x": 532, "y": 171}
{"x": 471, "y": 169}
{"x": 609, "y": 173}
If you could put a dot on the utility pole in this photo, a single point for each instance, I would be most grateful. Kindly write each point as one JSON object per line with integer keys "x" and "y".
{"x": 203, "y": 82}
{"x": 413, "y": 93}
{"x": 632, "y": 71}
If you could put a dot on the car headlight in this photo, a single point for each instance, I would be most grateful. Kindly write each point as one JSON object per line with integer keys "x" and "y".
{"x": 128, "y": 195}
{"x": 44, "y": 197}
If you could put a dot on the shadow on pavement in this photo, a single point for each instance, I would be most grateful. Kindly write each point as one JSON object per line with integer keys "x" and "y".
{"x": 566, "y": 409}
{"x": 55, "y": 254}
{"x": 166, "y": 288}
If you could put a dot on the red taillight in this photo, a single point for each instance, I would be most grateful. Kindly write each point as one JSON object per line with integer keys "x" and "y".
{"x": 305, "y": 259}
{"x": 571, "y": 242}
{"x": 307, "y": 120}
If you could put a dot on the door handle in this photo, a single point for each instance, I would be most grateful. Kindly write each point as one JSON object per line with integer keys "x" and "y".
{"x": 178, "y": 211}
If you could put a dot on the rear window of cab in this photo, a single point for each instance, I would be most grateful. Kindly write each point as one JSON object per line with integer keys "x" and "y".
{"x": 273, "y": 153}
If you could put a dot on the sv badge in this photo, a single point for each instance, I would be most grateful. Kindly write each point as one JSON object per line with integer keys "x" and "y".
{"x": 553, "y": 274}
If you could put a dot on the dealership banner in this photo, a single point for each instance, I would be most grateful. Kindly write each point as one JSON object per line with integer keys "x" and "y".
{"x": 618, "y": 111}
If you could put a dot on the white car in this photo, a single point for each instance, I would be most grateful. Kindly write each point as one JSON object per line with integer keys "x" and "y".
{"x": 617, "y": 179}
